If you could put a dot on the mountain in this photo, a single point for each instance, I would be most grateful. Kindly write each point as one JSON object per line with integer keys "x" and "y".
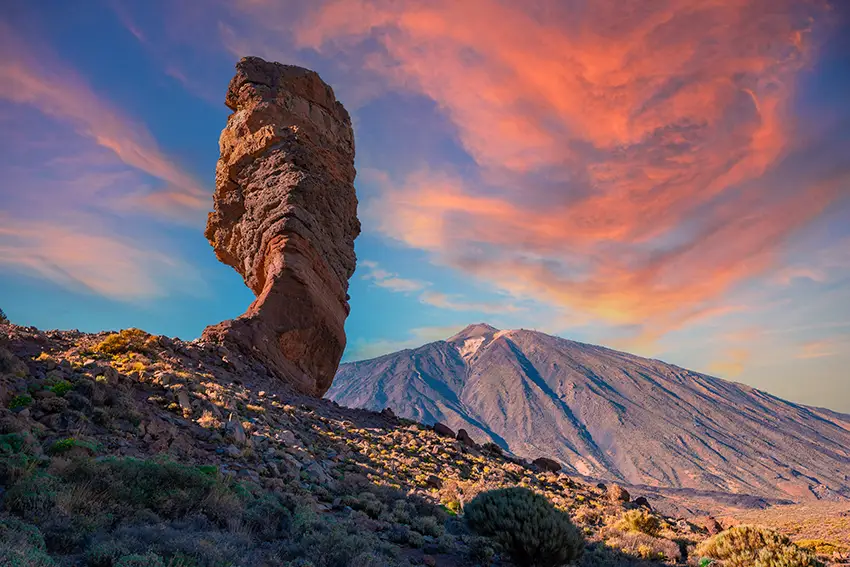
{"x": 608, "y": 414}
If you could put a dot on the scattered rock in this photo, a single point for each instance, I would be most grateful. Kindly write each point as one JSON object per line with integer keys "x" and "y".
{"x": 285, "y": 218}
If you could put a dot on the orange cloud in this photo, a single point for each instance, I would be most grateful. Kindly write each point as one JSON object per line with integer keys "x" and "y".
{"x": 819, "y": 348}
{"x": 34, "y": 79}
{"x": 623, "y": 150}
{"x": 732, "y": 364}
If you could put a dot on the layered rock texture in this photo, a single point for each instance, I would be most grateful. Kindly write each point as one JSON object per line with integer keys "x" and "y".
{"x": 285, "y": 218}
{"x": 608, "y": 414}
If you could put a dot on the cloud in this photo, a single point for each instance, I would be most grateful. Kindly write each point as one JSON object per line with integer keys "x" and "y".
{"x": 389, "y": 280}
{"x": 630, "y": 162}
{"x": 732, "y": 363}
{"x": 76, "y": 255}
{"x": 30, "y": 76}
{"x": 363, "y": 350}
{"x": 456, "y": 303}
{"x": 821, "y": 348}
{"x": 393, "y": 282}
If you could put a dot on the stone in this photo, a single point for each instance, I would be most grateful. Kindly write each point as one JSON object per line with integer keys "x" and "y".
{"x": 285, "y": 218}
{"x": 443, "y": 430}
{"x": 546, "y": 464}
{"x": 184, "y": 401}
{"x": 288, "y": 438}
{"x": 316, "y": 473}
{"x": 463, "y": 437}
{"x": 234, "y": 431}
{"x": 617, "y": 493}
{"x": 642, "y": 502}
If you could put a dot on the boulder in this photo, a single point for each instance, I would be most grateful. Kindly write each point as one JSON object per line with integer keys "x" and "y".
{"x": 443, "y": 430}
{"x": 548, "y": 465}
{"x": 463, "y": 437}
{"x": 642, "y": 502}
{"x": 285, "y": 218}
{"x": 617, "y": 493}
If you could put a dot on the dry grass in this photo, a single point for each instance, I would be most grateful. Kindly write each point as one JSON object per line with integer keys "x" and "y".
{"x": 825, "y": 521}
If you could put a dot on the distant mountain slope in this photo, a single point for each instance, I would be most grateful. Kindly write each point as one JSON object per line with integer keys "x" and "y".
{"x": 609, "y": 414}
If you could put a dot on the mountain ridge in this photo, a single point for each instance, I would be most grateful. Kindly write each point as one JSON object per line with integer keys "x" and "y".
{"x": 609, "y": 414}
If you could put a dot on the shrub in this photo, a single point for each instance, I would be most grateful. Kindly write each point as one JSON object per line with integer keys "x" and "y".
{"x": 3, "y": 319}
{"x": 147, "y": 560}
{"x": 165, "y": 487}
{"x": 21, "y": 401}
{"x": 753, "y": 546}
{"x": 65, "y": 445}
{"x": 22, "y": 544}
{"x": 531, "y": 530}
{"x": 61, "y": 388}
{"x": 123, "y": 341}
{"x": 640, "y": 521}
{"x": 32, "y": 496}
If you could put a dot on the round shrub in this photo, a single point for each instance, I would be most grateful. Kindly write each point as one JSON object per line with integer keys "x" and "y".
{"x": 753, "y": 546}
{"x": 526, "y": 525}
{"x": 22, "y": 544}
{"x": 640, "y": 521}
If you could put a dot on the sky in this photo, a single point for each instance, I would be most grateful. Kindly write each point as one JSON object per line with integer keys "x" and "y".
{"x": 669, "y": 178}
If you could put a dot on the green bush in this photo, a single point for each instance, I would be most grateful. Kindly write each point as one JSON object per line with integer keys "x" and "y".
{"x": 3, "y": 319}
{"x": 21, "y": 401}
{"x": 526, "y": 525}
{"x": 61, "y": 388}
{"x": 640, "y": 521}
{"x": 170, "y": 489}
{"x": 753, "y": 546}
{"x": 64, "y": 445}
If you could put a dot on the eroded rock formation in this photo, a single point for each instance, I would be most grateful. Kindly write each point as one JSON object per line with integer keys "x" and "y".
{"x": 285, "y": 218}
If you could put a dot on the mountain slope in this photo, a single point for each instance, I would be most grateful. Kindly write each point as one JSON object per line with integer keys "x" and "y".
{"x": 609, "y": 414}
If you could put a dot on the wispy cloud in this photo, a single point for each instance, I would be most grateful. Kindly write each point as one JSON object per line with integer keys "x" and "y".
{"x": 393, "y": 282}
{"x": 626, "y": 155}
{"x": 30, "y": 75}
{"x": 388, "y": 280}
{"x": 457, "y": 303}
{"x": 821, "y": 348}
{"x": 75, "y": 254}
{"x": 416, "y": 337}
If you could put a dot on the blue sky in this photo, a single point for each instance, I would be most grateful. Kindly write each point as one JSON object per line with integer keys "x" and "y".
{"x": 672, "y": 182}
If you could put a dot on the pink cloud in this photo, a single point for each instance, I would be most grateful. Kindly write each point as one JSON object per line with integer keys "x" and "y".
{"x": 75, "y": 254}
{"x": 623, "y": 151}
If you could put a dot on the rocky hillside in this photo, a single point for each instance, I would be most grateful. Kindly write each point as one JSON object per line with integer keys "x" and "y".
{"x": 125, "y": 449}
{"x": 609, "y": 414}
